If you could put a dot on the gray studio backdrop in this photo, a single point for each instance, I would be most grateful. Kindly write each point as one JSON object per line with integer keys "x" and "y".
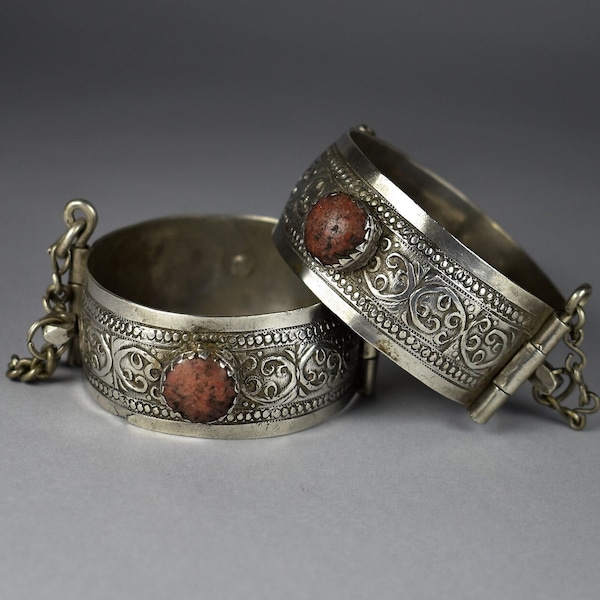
{"x": 156, "y": 108}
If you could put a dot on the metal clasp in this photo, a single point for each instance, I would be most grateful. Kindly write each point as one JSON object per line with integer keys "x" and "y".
{"x": 551, "y": 386}
{"x": 62, "y": 301}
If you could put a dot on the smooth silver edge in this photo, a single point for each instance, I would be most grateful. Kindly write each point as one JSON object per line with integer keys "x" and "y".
{"x": 450, "y": 245}
{"x": 138, "y": 312}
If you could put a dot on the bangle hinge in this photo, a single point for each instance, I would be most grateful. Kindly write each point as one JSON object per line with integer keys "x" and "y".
{"x": 551, "y": 386}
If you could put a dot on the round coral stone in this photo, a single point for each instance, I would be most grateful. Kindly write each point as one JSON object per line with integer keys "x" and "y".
{"x": 200, "y": 389}
{"x": 334, "y": 227}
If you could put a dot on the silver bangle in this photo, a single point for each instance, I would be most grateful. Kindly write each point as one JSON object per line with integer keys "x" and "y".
{"x": 157, "y": 349}
{"x": 398, "y": 254}
{"x": 413, "y": 267}
{"x": 193, "y": 326}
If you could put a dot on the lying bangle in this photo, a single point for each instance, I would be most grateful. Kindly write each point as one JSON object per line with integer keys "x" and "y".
{"x": 414, "y": 268}
{"x": 193, "y": 326}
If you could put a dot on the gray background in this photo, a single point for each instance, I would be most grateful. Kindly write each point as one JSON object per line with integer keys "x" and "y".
{"x": 158, "y": 108}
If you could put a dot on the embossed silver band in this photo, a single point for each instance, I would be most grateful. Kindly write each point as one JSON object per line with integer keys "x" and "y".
{"x": 443, "y": 292}
{"x": 195, "y": 326}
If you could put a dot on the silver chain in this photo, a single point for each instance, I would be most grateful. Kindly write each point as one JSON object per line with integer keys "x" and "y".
{"x": 59, "y": 324}
{"x": 569, "y": 378}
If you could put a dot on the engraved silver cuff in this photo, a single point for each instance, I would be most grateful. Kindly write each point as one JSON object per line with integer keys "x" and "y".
{"x": 195, "y": 326}
{"x": 412, "y": 266}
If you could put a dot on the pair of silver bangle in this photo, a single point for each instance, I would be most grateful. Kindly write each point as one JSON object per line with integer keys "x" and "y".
{"x": 197, "y": 326}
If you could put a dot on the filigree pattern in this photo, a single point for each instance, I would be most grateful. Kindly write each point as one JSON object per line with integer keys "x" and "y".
{"x": 436, "y": 311}
{"x": 281, "y": 373}
{"x": 391, "y": 277}
{"x": 135, "y": 369}
{"x": 96, "y": 346}
{"x": 319, "y": 365}
{"x": 314, "y": 184}
{"x": 302, "y": 371}
{"x": 423, "y": 300}
{"x": 484, "y": 342}
{"x": 269, "y": 379}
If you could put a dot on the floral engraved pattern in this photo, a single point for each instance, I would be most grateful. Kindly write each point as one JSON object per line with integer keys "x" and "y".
{"x": 436, "y": 311}
{"x": 484, "y": 343}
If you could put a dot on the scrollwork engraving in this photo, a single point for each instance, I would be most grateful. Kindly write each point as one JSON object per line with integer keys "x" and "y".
{"x": 391, "y": 276}
{"x": 314, "y": 184}
{"x": 436, "y": 311}
{"x": 269, "y": 379}
{"x": 96, "y": 347}
{"x": 484, "y": 343}
{"x": 319, "y": 365}
{"x": 135, "y": 368}
{"x": 280, "y": 373}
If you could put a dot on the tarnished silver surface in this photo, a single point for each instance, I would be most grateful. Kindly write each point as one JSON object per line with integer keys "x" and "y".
{"x": 164, "y": 290}
{"x": 447, "y": 294}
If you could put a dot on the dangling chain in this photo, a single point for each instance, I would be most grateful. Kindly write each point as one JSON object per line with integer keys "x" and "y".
{"x": 546, "y": 387}
{"x": 59, "y": 325}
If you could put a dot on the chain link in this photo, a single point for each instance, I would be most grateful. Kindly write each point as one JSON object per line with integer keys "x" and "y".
{"x": 59, "y": 325}
{"x": 569, "y": 378}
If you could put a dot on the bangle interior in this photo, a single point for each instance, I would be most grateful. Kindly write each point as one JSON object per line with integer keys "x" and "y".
{"x": 458, "y": 216}
{"x": 210, "y": 265}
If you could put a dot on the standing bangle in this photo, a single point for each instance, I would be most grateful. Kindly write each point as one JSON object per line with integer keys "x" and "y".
{"x": 195, "y": 326}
